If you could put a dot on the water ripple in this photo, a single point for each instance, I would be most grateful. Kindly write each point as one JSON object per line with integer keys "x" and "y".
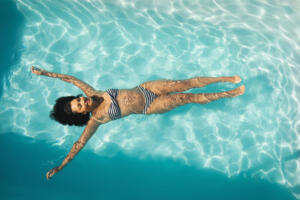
{"x": 108, "y": 43}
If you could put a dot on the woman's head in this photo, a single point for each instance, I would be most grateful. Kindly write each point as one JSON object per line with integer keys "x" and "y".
{"x": 74, "y": 110}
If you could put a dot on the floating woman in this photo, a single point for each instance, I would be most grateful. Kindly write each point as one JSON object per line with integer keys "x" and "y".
{"x": 100, "y": 107}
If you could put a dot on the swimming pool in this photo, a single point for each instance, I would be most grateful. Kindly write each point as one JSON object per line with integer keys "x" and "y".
{"x": 250, "y": 141}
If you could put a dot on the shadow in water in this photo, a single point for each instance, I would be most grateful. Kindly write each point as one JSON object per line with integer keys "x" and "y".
{"x": 11, "y": 29}
{"x": 24, "y": 163}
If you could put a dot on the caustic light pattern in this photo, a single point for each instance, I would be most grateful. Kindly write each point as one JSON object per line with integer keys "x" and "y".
{"x": 120, "y": 44}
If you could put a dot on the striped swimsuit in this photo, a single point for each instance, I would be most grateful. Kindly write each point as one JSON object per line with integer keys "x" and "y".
{"x": 149, "y": 97}
{"x": 114, "y": 111}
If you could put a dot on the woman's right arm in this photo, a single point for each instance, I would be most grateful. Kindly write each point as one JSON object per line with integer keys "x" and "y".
{"x": 88, "y": 132}
{"x": 86, "y": 88}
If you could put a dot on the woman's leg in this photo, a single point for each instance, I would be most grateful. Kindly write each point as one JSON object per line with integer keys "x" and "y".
{"x": 166, "y": 103}
{"x": 161, "y": 87}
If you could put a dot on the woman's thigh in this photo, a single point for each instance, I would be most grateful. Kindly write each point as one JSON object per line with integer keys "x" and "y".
{"x": 165, "y": 103}
{"x": 163, "y": 87}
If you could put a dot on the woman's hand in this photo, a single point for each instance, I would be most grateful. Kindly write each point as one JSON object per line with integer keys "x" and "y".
{"x": 52, "y": 172}
{"x": 37, "y": 71}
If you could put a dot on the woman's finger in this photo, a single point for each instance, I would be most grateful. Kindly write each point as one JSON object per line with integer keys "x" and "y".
{"x": 48, "y": 175}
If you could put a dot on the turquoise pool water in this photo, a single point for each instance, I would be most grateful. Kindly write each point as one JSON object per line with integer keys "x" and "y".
{"x": 242, "y": 148}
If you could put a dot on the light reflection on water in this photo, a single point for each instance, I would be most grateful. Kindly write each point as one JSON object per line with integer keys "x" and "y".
{"x": 122, "y": 44}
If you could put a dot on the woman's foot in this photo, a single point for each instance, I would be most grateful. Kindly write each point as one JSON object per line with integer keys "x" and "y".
{"x": 236, "y": 79}
{"x": 237, "y": 91}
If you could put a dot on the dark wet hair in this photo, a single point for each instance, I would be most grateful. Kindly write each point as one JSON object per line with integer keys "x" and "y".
{"x": 63, "y": 114}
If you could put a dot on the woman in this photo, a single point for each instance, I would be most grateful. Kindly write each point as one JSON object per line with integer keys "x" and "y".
{"x": 100, "y": 107}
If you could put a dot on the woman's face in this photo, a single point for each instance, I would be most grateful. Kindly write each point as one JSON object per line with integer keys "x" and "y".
{"x": 82, "y": 105}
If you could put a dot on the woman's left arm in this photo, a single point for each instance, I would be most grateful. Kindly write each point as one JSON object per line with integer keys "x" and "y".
{"x": 88, "y": 132}
{"x": 86, "y": 88}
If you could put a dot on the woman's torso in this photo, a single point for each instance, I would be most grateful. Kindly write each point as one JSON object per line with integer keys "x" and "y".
{"x": 129, "y": 101}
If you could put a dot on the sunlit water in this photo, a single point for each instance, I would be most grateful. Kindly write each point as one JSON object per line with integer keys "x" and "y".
{"x": 120, "y": 44}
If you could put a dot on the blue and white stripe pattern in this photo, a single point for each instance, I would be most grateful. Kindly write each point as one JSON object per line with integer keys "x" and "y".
{"x": 114, "y": 109}
{"x": 149, "y": 97}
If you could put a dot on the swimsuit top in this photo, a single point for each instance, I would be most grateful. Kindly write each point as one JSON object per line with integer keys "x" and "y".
{"x": 114, "y": 111}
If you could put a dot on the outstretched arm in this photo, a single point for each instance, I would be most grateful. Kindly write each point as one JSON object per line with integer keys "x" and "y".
{"x": 86, "y": 88}
{"x": 89, "y": 130}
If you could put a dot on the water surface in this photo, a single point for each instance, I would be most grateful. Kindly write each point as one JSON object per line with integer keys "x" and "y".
{"x": 250, "y": 141}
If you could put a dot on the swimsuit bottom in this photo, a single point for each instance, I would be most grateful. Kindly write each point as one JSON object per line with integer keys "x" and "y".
{"x": 149, "y": 97}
